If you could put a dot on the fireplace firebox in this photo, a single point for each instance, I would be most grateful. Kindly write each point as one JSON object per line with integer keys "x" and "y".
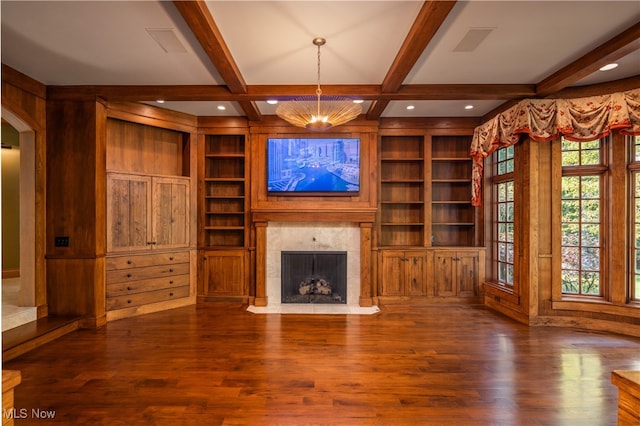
{"x": 314, "y": 276}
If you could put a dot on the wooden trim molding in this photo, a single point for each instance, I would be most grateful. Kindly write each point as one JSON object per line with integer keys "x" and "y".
{"x": 11, "y": 273}
{"x": 599, "y": 306}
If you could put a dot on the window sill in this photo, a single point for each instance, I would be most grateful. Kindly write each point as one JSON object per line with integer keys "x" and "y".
{"x": 499, "y": 292}
{"x": 630, "y": 310}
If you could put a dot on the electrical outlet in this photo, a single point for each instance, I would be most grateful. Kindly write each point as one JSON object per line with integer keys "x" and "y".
{"x": 62, "y": 241}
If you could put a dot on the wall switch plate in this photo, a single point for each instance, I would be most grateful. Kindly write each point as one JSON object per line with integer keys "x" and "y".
{"x": 62, "y": 241}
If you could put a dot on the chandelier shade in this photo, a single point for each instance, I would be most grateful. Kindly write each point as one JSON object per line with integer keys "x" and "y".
{"x": 318, "y": 112}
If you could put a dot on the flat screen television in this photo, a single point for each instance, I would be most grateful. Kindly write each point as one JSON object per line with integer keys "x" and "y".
{"x": 313, "y": 165}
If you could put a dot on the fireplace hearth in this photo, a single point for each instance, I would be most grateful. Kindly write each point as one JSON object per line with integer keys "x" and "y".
{"x": 314, "y": 277}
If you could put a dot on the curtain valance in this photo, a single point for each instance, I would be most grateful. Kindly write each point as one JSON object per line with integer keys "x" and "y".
{"x": 579, "y": 120}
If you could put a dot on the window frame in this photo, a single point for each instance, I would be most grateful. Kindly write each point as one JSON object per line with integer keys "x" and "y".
{"x": 602, "y": 170}
{"x": 496, "y": 180}
{"x": 633, "y": 201}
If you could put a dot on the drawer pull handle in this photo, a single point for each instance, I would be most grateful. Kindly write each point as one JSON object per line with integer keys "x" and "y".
{"x": 129, "y": 288}
{"x": 170, "y": 294}
{"x": 171, "y": 282}
{"x": 129, "y": 262}
{"x": 171, "y": 258}
{"x": 171, "y": 270}
{"x": 128, "y": 301}
{"x": 128, "y": 275}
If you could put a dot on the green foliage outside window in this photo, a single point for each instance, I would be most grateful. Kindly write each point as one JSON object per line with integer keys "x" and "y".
{"x": 581, "y": 204}
{"x": 503, "y": 222}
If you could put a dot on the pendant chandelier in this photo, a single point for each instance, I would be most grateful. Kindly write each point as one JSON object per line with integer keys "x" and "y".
{"x": 318, "y": 112}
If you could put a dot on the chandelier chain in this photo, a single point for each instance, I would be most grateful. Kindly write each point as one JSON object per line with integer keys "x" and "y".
{"x": 318, "y": 89}
{"x": 318, "y": 112}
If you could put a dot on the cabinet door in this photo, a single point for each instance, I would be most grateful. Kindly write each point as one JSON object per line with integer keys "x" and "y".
{"x": 415, "y": 275}
{"x": 444, "y": 275}
{"x": 170, "y": 212}
{"x": 128, "y": 212}
{"x": 224, "y": 273}
{"x": 456, "y": 273}
{"x": 393, "y": 265}
{"x": 467, "y": 273}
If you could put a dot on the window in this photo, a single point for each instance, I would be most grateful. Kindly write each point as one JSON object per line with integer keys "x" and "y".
{"x": 634, "y": 175}
{"x": 502, "y": 184}
{"x": 581, "y": 219}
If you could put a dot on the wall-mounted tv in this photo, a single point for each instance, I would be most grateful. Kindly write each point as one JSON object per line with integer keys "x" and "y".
{"x": 313, "y": 165}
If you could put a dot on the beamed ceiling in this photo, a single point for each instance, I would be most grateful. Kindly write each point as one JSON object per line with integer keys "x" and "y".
{"x": 437, "y": 56}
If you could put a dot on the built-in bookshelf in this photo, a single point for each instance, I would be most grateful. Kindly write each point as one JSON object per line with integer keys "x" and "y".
{"x": 452, "y": 215}
{"x": 225, "y": 191}
{"x": 402, "y": 191}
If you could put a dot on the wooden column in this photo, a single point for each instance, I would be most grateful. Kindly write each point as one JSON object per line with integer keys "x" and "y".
{"x": 76, "y": 208}
{"x": 10, "y": 379}
{"x": 628, "y": 383}
{"x": 366, "y": 289}
{"x": 261, "y": 264}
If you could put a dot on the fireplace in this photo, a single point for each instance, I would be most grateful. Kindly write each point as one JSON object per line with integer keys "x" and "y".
{"x": 314, "y": 277}
{"x": 313, "y": 231}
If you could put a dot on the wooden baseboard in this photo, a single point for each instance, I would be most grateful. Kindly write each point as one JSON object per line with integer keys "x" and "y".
{"x": 150, "y": 308}
{"x": 239, "y": 299}
{"x": 590, "y": 324}
{"x": 11, "y": 273}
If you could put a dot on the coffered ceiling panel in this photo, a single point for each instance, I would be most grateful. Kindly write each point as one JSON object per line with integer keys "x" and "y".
{"x": 435, "y": 56}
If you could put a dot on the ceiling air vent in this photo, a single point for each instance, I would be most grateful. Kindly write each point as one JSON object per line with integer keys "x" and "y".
{"x": 167, "y": 40}
{"x": 472, "y": 39}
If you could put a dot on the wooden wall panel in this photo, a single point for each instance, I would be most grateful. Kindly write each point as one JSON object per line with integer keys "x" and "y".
{"x": 76, "y": 208}
{"x": 25, "y": 98}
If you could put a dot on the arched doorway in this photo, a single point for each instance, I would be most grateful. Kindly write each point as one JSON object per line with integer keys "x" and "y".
{"x": 18, "y": 293}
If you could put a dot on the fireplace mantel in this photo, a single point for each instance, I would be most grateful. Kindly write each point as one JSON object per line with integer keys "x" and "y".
{"x": 364, "y": 218}
{"x": 314, "y": 216}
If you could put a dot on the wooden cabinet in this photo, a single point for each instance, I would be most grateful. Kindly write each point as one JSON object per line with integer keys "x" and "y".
{"x": 224, "y": 230}
{"x": 224, "y": 189}
{"x": 457, "y": 272}
{"x": 140, "y": 279}
{"x": 403, "y": 273}
{"x": 146, "y": 212}
{"x": 150, "y": 239}
{"x": 225, "y": 273}
{"x": 453, "y": 218}
{"x": 402, "y": 191}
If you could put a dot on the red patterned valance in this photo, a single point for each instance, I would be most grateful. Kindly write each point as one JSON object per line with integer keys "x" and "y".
{"x": 579, "y": 120}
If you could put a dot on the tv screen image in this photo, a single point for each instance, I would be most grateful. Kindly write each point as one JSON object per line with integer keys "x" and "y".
{"x": 299, "y": 165}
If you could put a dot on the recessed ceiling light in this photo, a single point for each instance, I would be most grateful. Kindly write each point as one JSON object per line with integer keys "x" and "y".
{"x": 160, "y": 101}
{"x": 468, "y": 107}
{"x": 609, "y": 67}
{"x": 222, "y": 107}
{"x": 272, "y": 101}
{"x": 410, "y": 107}
{"x": 358, "y": 101}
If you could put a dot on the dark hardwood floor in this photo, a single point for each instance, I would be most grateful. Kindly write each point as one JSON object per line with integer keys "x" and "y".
{"x": 218, "y": 364}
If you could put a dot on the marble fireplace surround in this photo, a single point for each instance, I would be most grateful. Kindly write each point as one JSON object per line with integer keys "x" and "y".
{"x": 278, "y": 232}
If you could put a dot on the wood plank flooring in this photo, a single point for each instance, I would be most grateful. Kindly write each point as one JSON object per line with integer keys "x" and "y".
{"x": 216, "y": 364}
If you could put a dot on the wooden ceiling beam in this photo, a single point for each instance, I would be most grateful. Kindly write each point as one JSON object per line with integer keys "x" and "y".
{"x": 420, "y": 92}
{"x": 619, "y": 46}
{"x": 376, "y": 109}
{"x": 286, "y": 92}
{"x": 429, "y": 19}
{"x": 198, "y": 18}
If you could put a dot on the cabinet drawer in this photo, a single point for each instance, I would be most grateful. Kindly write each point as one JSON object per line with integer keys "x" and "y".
{"x": 149, "y": 272}
{"x": 129, "y": 300}
{"x": 138, "y": 261}
{"x": 132, "y": 287}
